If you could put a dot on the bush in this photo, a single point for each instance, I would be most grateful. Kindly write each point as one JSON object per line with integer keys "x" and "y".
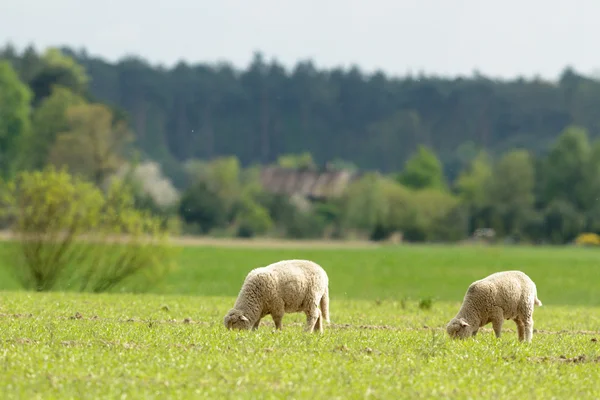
{"x": 305, "y": 225}
{"x": 562, "y": 222}
{"x": 69, "y": 231}
{"x": 452, "y": 226}
{"x": 294, "y": 223}
{"x": 365, "y": 204}
{"x": 202, "y": 207}
{"x": 588, "y": 239}
{"x": 437, "y": 217}
{"x": 533, "y": 224}
{"x": 252, "y": 219}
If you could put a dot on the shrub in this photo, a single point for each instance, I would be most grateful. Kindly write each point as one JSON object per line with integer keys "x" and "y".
{"x": 291, "y": 222}
{"x": 562, "y": 221}
{"x": 67, "y": 230}
{"x": 252, "y": 219}
{"x": 587, "y": 239}
{"x": 438, "y": 217}
{"x": 201, "y": 206}
{"x": 305, "y": 225}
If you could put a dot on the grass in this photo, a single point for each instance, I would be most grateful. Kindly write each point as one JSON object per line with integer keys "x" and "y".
{"x": 566, "y": 276}
{"x": 389, "y": 307}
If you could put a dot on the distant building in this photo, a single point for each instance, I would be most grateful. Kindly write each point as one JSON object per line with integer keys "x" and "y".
{"x": 309, "y": 184}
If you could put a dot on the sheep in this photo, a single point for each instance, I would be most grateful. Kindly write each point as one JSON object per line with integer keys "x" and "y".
{"x": 500, "y": 296}
{"x": 287, "y": 286}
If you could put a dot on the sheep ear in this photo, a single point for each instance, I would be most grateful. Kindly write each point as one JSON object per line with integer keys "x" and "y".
{"x": 243, "y": 318}
{"x": 463, "y": 322}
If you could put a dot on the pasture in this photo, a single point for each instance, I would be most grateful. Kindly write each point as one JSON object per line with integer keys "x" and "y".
{"x": 389, "y": 306}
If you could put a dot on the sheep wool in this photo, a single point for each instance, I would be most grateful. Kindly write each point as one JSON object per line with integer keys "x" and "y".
{"x": 287, "y": 286}
{"x": 500, "y": 296}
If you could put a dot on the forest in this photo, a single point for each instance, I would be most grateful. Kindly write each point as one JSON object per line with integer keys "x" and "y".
{"x": 435, "y": 158}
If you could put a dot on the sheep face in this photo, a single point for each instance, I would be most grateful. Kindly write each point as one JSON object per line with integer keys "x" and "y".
{"x": 458, "y": 328}
{"x": 236, "y": 320}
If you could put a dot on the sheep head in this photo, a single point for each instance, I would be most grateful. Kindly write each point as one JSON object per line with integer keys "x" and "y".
{"x": 459, "y": 328}
{"x": 235, "y": 319}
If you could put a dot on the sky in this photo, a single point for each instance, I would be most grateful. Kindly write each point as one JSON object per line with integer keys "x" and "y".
{"x": 501, "y": 39}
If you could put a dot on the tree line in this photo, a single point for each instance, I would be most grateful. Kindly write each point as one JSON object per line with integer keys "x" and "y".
{"x": 373, "y": 120}
{"x": 447, "y": 156}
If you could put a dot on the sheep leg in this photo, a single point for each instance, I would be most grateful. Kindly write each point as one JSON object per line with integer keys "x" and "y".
{"x": 520, "y": 328}
{"x": 318, "y": 328}
{"x": 474, "y": 332}
{"x": 497, "y": 321}
{"x": 497, "y": 325}
{"x": 311, "y": 319}
{"x": 277, "y": 318}
{"x": 277, "y": 312}
{"x": 255, "y": 327}
{"x": 528, "y": 329}
{"x": 325, "y": 305}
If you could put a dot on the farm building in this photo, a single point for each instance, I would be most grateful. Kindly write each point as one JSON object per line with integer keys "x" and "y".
{"x": 310, "y": 184}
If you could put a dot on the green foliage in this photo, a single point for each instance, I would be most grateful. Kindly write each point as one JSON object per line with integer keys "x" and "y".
{"x": 94, "y": 145}
{"x": 202, "y": 207}
{"x": 388, "y": 123}
{"x": 423, "y": 170}
{"x": 50, "y": 119}
{"x": 510, "y": 190}
{"x": 54, "y": 58}
{"x": 14, "y": 118}
{"x": 473, "y": 181}
{"x": 223, "y": 178}
{"x": 225, "y": 195}
{"x": 250, "y": 210}
{"x": 453, "y": 224}
{"x": 590, "y": 193}
{"x": 364, "y": 204}
{"x": 372, "y": 120}
{"x": 564, "y": 169}
{"x": 252, "y": 219}
{"x": 55, "y": 68}
{"x": 289, "y": 220}
{"x": 306, "y": 224}
{"x": 434, "y": 217}
{"x": 400, "y": 211}
{"x": 381, "y": 206}
{"x": 68, "y": 230}
{"x": 562, "y": 222}
{"x": 512, "y": 182}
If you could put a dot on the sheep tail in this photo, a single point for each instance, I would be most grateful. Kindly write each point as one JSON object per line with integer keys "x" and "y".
{"x": 537, "y": 302}
{"x": 325, "y": 305}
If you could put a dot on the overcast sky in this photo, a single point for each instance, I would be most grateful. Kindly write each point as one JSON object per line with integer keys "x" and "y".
{"x": 446, "y": 37}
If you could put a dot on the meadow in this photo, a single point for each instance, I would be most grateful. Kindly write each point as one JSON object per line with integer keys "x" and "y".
{"x": 389, "y": 306}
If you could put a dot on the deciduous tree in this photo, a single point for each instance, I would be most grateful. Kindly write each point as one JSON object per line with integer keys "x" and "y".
{"x": 93, "y": 145}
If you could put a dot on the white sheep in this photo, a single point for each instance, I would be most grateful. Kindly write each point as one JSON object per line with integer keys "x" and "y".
{"x": 286, "y": 286}
{"x": 500, "y": 296}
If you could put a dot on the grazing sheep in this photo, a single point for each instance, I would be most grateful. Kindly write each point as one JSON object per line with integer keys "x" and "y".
{"x": 287, "y": 286}
{"x": 500, "y": 296}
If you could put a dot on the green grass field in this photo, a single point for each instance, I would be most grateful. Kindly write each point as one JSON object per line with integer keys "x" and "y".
{"x": 381, "y": 344}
